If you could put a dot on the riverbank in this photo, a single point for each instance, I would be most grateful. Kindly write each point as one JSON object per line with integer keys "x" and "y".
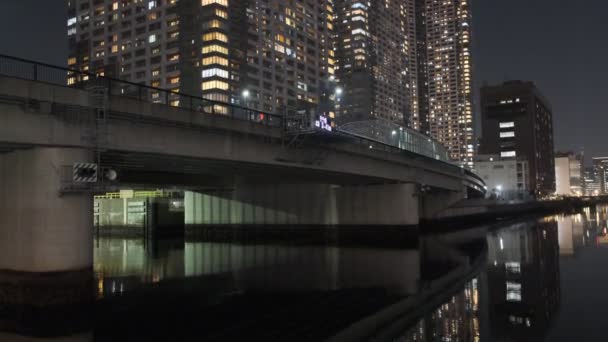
{"x": 474, "y": 212}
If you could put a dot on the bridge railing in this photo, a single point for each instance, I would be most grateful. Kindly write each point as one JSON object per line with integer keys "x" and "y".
{"x": 41, "y": 72}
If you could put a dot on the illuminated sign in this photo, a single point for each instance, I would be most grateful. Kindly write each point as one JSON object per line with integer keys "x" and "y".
{"x": 323, "y": 123}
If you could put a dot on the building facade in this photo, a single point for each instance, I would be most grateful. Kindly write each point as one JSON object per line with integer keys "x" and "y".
{"x": 517, "y": 122}
{"x": 506, "y": 179}
{"x": 274, "y": 56}
{"x": 372, "y": 49}
{"x": 600, "y": 169}
{"x": 569, "y": 174}
{"x": 592, "y": 182}
{"x": 443, "y": 80}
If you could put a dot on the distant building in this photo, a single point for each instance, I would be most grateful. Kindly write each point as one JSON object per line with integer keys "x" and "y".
{"x": 600, "y": 168}
{"x": 442, "y": 77}
{"x": 505, "y": 178}
{"x": 372, "y": 50}
{"x": 592, "y": 183}
{"x": 517, "y": 122}
{"x": 569, "y": 178}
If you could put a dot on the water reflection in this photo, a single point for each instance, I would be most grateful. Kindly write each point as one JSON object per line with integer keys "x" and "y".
{"x": 523, "y": 281}
{"x": 317, "y": 290}
{"x": 123, "y": 265}
{"x": 514, "y": 299}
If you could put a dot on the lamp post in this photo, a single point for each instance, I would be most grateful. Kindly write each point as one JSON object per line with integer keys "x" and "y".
{"x": 245, "y": 94}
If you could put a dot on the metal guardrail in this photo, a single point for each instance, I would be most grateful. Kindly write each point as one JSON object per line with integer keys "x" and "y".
{"x": 41, "y": 72}
{"x": 392, "y": 134}
{"x": 136, "y": 194}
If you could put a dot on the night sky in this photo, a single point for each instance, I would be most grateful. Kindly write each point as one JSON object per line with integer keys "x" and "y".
{"x": 561, "y": 46}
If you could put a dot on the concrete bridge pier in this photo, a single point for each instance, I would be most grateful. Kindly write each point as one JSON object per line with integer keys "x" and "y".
{"x": 433, "y": 202}
{"x": 46, "y": 242}
{"x": 384, "y": 204}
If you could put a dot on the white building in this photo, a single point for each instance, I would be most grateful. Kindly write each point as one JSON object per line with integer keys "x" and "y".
{"x": 505, "y": 178}
{"x": 569, "y": 180}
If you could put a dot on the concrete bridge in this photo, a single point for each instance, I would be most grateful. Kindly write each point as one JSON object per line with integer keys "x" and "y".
{"x": 239, "y": 168}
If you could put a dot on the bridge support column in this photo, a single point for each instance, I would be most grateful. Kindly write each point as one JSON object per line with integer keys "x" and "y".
{"x": 389, "y": 205}
{"x": 434, "y": 202}
{"x": 46, "y": 242}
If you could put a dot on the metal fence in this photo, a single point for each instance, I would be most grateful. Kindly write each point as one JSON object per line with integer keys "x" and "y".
{"x": 41, "y": 72}
{"x": 403, "y": 138}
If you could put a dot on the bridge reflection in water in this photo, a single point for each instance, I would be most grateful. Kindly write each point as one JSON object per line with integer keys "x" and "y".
{"x": 225, "y": 290}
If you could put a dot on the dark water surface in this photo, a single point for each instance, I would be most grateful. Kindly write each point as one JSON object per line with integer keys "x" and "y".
{"x": 534, "y": 280}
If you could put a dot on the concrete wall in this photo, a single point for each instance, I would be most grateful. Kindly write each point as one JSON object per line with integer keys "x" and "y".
{"x": 40, "y": 229}
{"x": 262, "y": 205}
{"x": 435, "y": 202}
{"x": 305, "y": 204}
{"x": 390, "y": 204}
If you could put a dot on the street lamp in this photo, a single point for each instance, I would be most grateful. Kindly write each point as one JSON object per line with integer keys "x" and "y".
{"x": 339, "y": 91}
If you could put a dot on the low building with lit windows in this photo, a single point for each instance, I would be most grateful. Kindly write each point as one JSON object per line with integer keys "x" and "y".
{"x": 505, "y": 178}
{"x": 517, "y": 122}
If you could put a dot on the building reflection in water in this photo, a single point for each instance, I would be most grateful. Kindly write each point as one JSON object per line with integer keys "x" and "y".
{"x": 523, "y": 281}
{"x": 456, "y": 320}
{"x": 514, "y": 299}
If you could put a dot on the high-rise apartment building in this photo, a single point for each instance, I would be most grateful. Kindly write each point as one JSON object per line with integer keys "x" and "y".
{"x": 405, "y": 61}
{"x": 372, "y": 45}
{"x": 443, "y": 78}
{"x": 272, "y": 55}
{"x": 517, "y": 122}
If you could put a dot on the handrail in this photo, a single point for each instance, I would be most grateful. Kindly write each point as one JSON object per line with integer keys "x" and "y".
{"x": 43, "y": 72}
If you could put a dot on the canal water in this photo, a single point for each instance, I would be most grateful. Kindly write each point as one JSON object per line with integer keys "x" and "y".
{"x": 535, "y": 279}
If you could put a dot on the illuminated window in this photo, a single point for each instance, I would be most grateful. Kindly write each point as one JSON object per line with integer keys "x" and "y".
{"x": 513, "y": 292}
{"x": 508, "y": 154}
{"x": 507, "y": 124}
{"x": 215, "y": 60}
{"x": 207, "y": 73}
{"x": 209, "y": 2}
{"x": 213, "y": 24}
{"x": 221, "y": 13}
{"x": 215, "y": 48}
{"x": 513, "y": 267}
{"x": 215, "y": 36}
{"x": 174, "y": 80}
{"x": 215, "y": 85}
{"x": 509, "y": 134}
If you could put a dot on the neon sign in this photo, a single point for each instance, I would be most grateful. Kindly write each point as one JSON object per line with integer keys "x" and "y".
{"x": 323, "y": 123}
